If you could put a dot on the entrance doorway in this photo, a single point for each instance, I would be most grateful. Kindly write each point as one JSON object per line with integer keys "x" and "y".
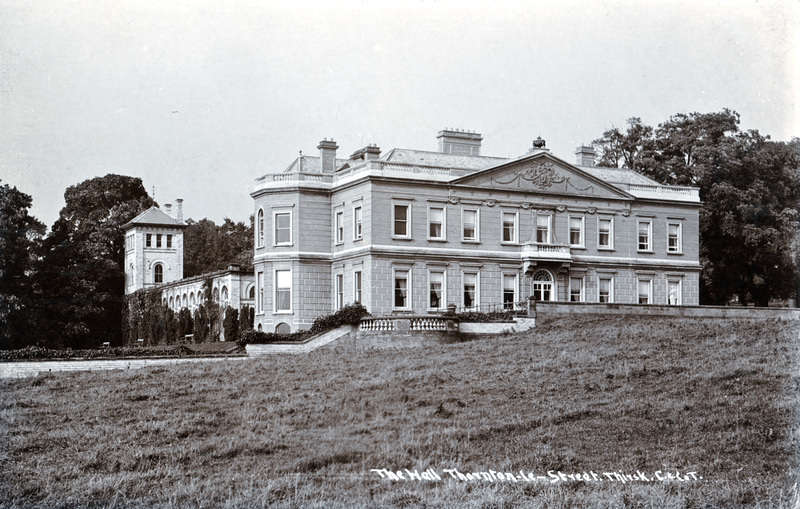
{"x": 543, "y": 285}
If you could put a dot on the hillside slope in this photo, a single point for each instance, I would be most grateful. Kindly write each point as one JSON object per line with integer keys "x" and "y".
{"x": 601, "y": 395}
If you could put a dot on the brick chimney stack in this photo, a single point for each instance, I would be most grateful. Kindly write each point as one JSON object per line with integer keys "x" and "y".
{"x": 179, "y": 210}
{"x": 585, "y": 155}
{"x": 327, "y": 155}
{"x": 458, "y": 141}
{"x": 168, "y": 209}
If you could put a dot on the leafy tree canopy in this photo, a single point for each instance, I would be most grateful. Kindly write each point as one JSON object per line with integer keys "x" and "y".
{"x": 208, "y": 247}
{"x": 750, "y": 187}
{"x": 82, "y": 276}
{"x": 20, "y": 234}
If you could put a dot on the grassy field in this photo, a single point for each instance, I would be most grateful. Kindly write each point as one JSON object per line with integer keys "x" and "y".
{"x": 602, "y": 395}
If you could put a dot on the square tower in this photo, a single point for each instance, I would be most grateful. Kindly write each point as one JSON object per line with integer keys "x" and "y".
{"x": 153, "y": 249}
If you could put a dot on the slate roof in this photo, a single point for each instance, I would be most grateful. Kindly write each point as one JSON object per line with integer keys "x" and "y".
{"x": 619, "y": 175}
{"x": 310, "y": 164}
{"x": 408, "y": 156}
{"x": 155, "y": 217}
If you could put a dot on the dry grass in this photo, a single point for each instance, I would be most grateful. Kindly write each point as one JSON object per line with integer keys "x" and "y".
{"x": 718, "y": 397}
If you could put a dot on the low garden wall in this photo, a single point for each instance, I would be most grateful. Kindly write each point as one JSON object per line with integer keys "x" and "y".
{"x": 546, "y": 309}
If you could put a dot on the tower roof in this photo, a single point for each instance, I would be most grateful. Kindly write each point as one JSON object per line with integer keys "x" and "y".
{"x": 154, "y": 217}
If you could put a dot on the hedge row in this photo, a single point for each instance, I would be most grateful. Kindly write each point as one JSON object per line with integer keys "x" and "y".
{"x": 39, "y": 353}
{"x": 492, "y": 316}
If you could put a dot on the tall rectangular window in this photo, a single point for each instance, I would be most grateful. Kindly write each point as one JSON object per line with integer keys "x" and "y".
{"x": 674, "y": 238}
{"x": 339, "y": 227}
{"x": 283, "y": 291}
{"x": 645, "y": 291}
{"x": 401, "y": 289}
{"x": 576, "y": 289}
{"x": 605, "y": 290}
{"x": 470, "y": 291}
{"x": 357, "y": 286}
{"x": 576, "y": 231}
{"x": 436, "y": 290}
{"x": 158, "y": 240}
{"x": 436, "y": 226}
{"x": 543, "y": 229}
{"x": 260, "y": 285}
{"x": 283, "y": 228}
{"x": 401, "y": 221}
{"x": 357, "y": 223}
{"x": 605, "y": 233}
{"x": 509, "y": 226}
{"x": 169, "y": 241}
{"x": 645, "y": 236}
{"x": 469, "y": 221}
{"x": 509, "y": 290}
{"x": 148, "y": 240}
{"x": 260, "y": 227}
{"x": 339, "y": 291}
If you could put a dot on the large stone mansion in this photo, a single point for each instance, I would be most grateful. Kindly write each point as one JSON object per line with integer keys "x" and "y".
{"x": 411, "y": 231}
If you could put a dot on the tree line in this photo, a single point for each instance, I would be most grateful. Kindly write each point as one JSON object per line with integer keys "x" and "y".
{"x": 66, "y": 288}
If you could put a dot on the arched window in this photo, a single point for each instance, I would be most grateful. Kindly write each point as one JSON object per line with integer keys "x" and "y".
{"x": 543, "y": 285}
{"x": 260, "y": 328}
{"x": 158, "y": 273}
{"x": 215, "y": 295}
{"x": 191, "y": 300}
{"x": 283, "y": 328}
{"x": 224, "y": 294}
{"x": 185, "y": 301}
{"x": 252, "y": 294}
{"x": 172, "y": 303}
{"x": 260, "y": 227}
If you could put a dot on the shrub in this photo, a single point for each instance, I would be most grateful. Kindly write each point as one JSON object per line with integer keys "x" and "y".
{"x": 230, "y": 324}
{"x": 255, "y": 337}
{"x": 493, "y": 316}
{"x": 351, "y": 314}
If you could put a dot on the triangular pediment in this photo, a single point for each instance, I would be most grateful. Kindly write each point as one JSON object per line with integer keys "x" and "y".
{"x": 542, "y": 173}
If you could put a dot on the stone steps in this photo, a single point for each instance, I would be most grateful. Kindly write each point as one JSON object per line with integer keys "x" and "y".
{"x": 312, "y": 344}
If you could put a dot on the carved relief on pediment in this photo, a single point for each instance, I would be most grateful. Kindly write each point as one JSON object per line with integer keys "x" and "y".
{"x": 541, "y": 174}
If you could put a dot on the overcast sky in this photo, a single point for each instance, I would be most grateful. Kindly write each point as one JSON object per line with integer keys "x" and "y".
{"x": 198, "y": 98}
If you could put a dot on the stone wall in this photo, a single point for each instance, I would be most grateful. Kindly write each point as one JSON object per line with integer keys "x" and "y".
{"x": 548, "y": 309}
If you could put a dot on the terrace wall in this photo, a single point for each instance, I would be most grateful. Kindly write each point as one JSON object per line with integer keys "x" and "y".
{"x": 547, "y": 309}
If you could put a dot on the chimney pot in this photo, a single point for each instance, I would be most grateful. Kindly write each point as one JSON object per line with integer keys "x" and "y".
{"x": 459, "y": 141}
{"x": 327, "y": 155}
{"x": 179, "y": 211}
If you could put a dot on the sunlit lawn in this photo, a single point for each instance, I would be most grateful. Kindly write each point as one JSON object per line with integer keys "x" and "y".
{"x": 714, "y": 397}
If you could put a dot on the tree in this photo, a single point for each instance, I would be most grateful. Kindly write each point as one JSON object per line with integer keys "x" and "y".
{"x": 750, "y": 189}
{"x": 20, "y": 235}
{"x": 634, "y": 149}
{"x": 230, "y": 324}
{"x": 208, "y": 247}
{"x": 82, "y": 278}
{"x": 749, "y": 222}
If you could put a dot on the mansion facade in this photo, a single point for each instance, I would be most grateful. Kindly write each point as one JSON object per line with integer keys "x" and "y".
{"x": 413, "y": 231}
